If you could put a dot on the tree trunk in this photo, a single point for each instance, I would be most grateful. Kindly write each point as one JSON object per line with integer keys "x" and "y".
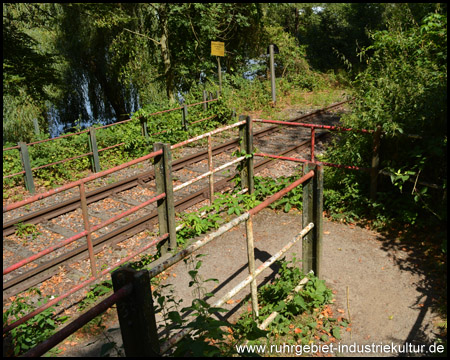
{"x": 165, "y": 51}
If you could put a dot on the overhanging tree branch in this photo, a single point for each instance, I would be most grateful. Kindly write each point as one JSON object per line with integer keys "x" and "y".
{"x": 147, "y": 37}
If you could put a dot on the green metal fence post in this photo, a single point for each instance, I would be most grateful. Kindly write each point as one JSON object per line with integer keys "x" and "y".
{"x": 249, "y": 150}
{"x": 165, "y": 207}
{"x": 144, "y": 127}
{"x": 25, "y": 158}
{"x": 246, "y": 145}
{"x": 184, "y": 118}
{"x": 375, "y": 163}
{"x": 205, "y": 98}
{"x": 36, "y": 127}
{"x": 95, "y": 160}
{"x": 318, "y": 218}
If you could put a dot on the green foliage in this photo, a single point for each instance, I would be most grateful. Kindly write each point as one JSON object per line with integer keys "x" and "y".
{"x": 208, "y": 335}
{"x": 300, "y": 313}
{"x": 208, "y": 217}
{"x": 95, "y": 292}
{"x": 29, "y": 76}
{"x": 264, "y": 187}
{"x": 35, "y": 330}
{"x": 404, "y": 90}
{"x": 273, "y": 295}
{"x": 26, "y": 231}
{"x": 166, "y": 127}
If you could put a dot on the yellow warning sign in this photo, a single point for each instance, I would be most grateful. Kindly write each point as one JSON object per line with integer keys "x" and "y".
{"x": 217, "y": 48}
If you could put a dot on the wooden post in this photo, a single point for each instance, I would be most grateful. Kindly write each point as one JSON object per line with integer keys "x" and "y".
{"x": 307, "y": 217}
{"x": 25, "y": 158}
{"x": 375, "y": 163}
{"x": 165, "y": 207}
{"x": 136, "y": 314}
{"x": 95, "y": 160}
{"x": 317, "y": 218}
{"x": 272, "y": 73}
{"x": 144, "y": 127}
{"x": 219, "y": 71}
{"x": 246, "y": 145}
{"x": 185, "y": 117}
{"x": 205, "y": 98}
{"x": 251, "y": 267}
{"x": 36, "y": 126}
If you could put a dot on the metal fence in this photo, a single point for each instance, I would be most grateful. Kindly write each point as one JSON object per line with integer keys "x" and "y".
{"x": 132, "y": 293}
{"x": 375, "y": 161}
{"x": 132, "y": 289}
{"x": 94, "y": 150}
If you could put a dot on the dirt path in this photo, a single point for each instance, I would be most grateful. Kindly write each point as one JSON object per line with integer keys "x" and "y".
{"x": 388, "y": 296}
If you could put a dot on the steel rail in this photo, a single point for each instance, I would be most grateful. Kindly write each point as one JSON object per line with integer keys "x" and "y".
{"x": 81, "y": 234}
{"x": 52, "y": 302}
{"x": 78, "y": 182}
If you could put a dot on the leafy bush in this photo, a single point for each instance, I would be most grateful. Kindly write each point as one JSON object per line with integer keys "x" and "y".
{"x": 34, "y": 331}
{"x": 404, "y": 90}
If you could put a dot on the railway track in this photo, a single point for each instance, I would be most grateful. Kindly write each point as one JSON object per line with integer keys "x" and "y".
{"x": 46, "y": 269}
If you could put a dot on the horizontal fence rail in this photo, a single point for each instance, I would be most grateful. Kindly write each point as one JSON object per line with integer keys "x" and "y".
{"x": 82, "y": 320}
{"x": 315, "y": 126}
